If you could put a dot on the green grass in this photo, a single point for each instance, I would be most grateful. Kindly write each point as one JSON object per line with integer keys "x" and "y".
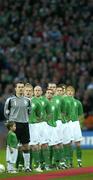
{"x": 86, "y": 158}
{"x": 2, "y": 157}
{"x": 78, "y": 177}
{"x": 87, "y": 161}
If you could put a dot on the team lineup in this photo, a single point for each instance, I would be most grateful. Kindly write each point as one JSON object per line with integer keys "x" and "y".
{"x": 42, "y": 128}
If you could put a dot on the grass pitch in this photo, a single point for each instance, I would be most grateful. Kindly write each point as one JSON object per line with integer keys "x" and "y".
{"x": 86, "y": 158}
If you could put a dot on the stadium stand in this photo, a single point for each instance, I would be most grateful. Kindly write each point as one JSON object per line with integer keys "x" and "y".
{"x": 43, "y": 41}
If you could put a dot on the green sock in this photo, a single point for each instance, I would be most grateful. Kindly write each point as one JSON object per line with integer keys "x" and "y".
{"x": 41, "y": 156}
{"x": 42, "y": 160}
{"x": 61, "y": 154}
{"x": 36, "y": 157}
{"x": 56, "y": 156}
{"x": 78, "y": 153}
{"x": 46, "y": 155}
{"x": 67, "y": 154}
{"x": 20, "y": 159}
{"x": 51, "y": 154}
{"x": 71, "y": 154}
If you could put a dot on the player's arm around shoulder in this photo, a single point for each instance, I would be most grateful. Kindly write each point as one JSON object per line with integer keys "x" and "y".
{"x": 29, "y": 105}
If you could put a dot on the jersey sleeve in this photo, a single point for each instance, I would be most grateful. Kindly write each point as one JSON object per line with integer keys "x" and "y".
{"x": 80, "y": 109}
{"x": 9, "y": 140}
{"x": 7, "y": 108}
{"x": 63, "y": 105}
{"x": 39, "y": 110}
{"x": 29, "y": 106}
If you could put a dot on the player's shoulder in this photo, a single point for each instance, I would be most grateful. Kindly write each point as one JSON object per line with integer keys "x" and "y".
{"x": 44, "y": 98}
{"x": 11, "y": 98}
{"x": 26, "y": 98}
{"x": 78, "y": 101}
{"x": 10, "y": 133}
{"x": 55, "y": 97}
{"x": 64, "y": 97}
{"x": 34, "y": 99}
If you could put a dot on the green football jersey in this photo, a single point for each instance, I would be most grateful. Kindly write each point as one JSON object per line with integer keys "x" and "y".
{"x": 76, "y": 109}
{"x": 66, "y": 109}
{"x": 35, "y": 116}
{"x": 52, "y": 115}
{"x": 44, "y": 107}
{"x": 12, "y": 139}
{"x": 58, "y": 101}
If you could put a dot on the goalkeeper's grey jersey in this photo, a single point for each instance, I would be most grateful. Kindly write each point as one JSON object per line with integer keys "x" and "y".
{"x": 17, "y": 109}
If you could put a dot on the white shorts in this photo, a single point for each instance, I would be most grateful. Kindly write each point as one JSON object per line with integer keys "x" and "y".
{"x": 43, "y": 133}
{"x": 77, "y": 134}
{"x": 70, "y": 130}
{"x": 66, "y": 133}
{"x": 53, "y": 136}
{"x": 59, "y": 129}
{"x": 11, "y": 157}
{"x": 34, "y": 134}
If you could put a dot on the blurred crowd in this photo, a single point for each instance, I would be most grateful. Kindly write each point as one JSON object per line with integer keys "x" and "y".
{"x": 47, "y": 41}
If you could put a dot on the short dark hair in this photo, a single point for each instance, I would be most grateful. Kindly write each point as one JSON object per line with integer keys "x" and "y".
{"x": 9, "y": 124}
{"x": 19, "y": 82}
{"x": 59, "y": 86}
{"x": 63, "y": 86}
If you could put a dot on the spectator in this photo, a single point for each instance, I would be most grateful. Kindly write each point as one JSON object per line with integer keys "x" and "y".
{"x": 56, "y": 35}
